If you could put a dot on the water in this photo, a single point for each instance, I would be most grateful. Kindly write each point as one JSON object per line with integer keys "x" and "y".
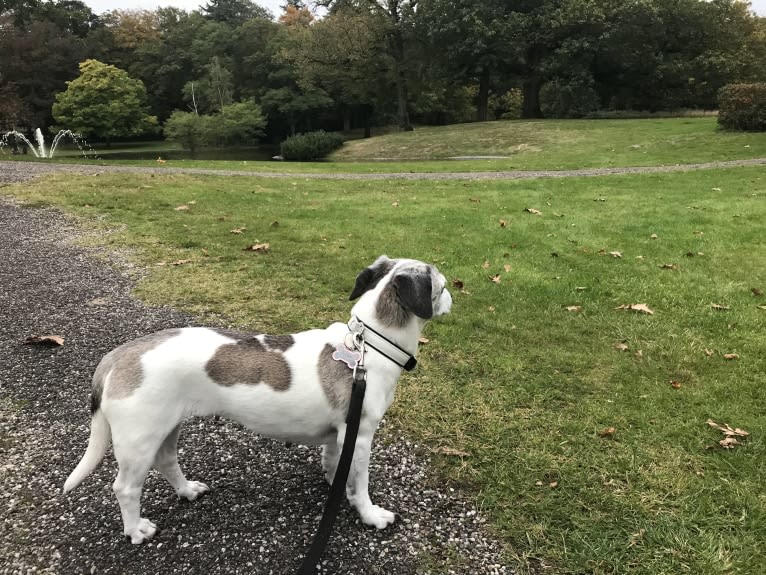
{"x": 15, "y": 137}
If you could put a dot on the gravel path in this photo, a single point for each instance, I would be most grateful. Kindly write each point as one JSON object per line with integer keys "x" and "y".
{"x": 265, "y": 498}
{"x": 23, "y": 170}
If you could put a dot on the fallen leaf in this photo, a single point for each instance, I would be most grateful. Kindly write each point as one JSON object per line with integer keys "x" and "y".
{"x": 719, "y": 306}
{"x": 503, "y": 224}
{"x": 452, "y": 452}
{"x": 182, "y": 208}
{"x": 237, "y": 230}
{"x": 639, "y": 354}
{"x": 491, "y": 309}
{"x": 756, "y": 292}
{"x": 486, "y": 264}
{"x": 709, "y": 352}
{"x": 716, "y": 189}
{"x": 395, "y": 204}
{"x": 274, "y": 224}
{"x": 615, "y": 254}
{"x": 539, "y": 483}
{"x": 729, "y": 442}
{"x": 458, "y": 284}
{"x": 620, "y": 346}
{"x": 599, "y": 199}
{"x": 553, "y": 484}
{"x": 607, "y": 432}
{"x": 761, "y": 307}
{"x": 475, "y": 200}
{"x": 533, "y": 211}
{"x": 423, "y": 340}
{"x": 580, "y": 288}
{"x": 675, "y": 384}
{"x": 731, "y": 356}
{"x": 507, "y": 268}
{"x": 698, "y": 233}
{"x": 193, "y": 202}
{"x": 653, "y": 237}
{"x": 727, "y": 430}
{"x": 669, "y": 267}
{"x": 690, "y": 254}
{"x": 495, "y": 278}
{"x": 45, "y": 340}
{"x": 574, "y": 308}
{"x": 640, "y": 257}
{"x": 639, "y": 307}
{"x": 261, "y": 248}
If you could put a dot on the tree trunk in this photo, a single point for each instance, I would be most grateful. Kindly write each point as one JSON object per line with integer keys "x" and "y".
{"x": 397, "y": 45}
{"x": 347, "y": 119}
{"x": 531, "y": 93}
{"x": 483, "y": 105}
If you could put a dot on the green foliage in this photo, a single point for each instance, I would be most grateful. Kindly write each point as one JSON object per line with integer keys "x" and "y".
{"x": 241, "y": 123}
{"x": 506, "y": 106}
{"x": 310, "y": 146}
{"x": 742, "y": 107}
{"x": 103, "y": 102}
{"x": 568, "y": 98}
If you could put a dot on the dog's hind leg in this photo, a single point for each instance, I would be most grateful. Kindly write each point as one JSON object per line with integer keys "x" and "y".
{"x": 166, "y": 462}
{"x": 134, "y": 464}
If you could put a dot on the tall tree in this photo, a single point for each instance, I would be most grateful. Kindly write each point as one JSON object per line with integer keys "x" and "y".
{"x": 234, "y": 12}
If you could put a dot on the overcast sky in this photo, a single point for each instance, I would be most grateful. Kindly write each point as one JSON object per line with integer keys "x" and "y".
{"x": 100, "y": 6}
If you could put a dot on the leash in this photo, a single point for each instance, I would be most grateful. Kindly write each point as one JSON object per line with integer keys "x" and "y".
{"x": 338, "y": 488}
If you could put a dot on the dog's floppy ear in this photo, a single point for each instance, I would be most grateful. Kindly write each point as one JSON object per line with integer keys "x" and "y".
{"x": 371, "y": 276}
{"x": 414, "y": 292}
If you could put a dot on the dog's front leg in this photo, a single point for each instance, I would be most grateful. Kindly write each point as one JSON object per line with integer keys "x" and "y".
{"x": 358, "y": 483}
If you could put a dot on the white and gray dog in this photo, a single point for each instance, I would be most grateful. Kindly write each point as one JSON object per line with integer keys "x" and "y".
{"x": 294, "y": 388}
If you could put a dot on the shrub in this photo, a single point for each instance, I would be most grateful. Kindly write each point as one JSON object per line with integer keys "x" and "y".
{"x": 310, "y": 146}
{"x": 742, "y": 107}
{"x": 506, "y": 106}
{"x": 568, "y": 97}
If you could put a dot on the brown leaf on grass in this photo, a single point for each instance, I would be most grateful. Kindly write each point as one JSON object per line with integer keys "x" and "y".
{"x": 182, "y": 208}
{"x": 615, "y": 254}
{"x": 653, "y": 237}
{"x": 495, "y": 278}
{"x": 669, "y": 267}
{"x": 698, "y": 233}
{"x": 719, "y": 306}
{"x": 727, "y": 429}
{"x": 731, "y": 356}
{"x": 503, "y": 224}
{"x": 639, "y": 307}
{"x": 574, "y": 308}
{"x": 452, "y": 452}
{"x": 475, "y": 200}
{"x": 45, "y": 340}
{"x": 607, "y": 433}
{"x": 620, "y": 346}
{"x": 485, "y": 265}
{"x": 709, "y": 352}
{"x": 553, "y": 484}
{"x": 259, "y": 248}
{"x": 675, "y": 384}
{"x": 756, "y": 292}
{"x": 507, "y": 268}
{"x": 238, "y": 230}
{"x": 458, "y": 284}
{"x": 729, "y": 442}
{"x": 761, "y": 307}
{"x": 423, "y": 340}
{"x": 533, "y": 211}
{"x": 175, "y": 263}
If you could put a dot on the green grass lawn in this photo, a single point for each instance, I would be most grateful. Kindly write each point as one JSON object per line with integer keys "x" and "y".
{"x": 525, "y": 387}
{"x": 526, "y": 145}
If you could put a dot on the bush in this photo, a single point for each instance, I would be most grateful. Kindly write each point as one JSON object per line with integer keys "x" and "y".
{"x": 568, "y": 98}
{"x": 310, "y": 146}
{"x": 506, "y": 106}
{"x": 742, "y": 107}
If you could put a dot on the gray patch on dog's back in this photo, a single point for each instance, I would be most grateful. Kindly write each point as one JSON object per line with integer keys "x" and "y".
{"x": 336, "y": 378}
{"x": 249, "y": 363}
{"x": 279, "y": 342}
{"x": 123, "y": 366}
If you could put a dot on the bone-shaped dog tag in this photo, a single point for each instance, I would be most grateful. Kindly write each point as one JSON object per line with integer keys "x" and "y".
{"x": 350, "y": 357}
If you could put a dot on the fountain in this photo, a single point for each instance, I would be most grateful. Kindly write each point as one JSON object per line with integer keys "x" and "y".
{"x": 39, "y": 150}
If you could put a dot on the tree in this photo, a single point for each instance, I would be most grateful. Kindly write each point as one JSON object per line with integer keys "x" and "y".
{"x": 103, "y": 102}
{"x": 234, "y": 12}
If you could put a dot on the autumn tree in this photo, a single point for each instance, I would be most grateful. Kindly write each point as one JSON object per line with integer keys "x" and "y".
{"x": 103, "y": 102}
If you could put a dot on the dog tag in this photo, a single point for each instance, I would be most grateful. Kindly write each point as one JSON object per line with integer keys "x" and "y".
{"x": 350, "y": 357}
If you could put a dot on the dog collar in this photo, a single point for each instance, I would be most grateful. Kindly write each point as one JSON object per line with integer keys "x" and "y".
{"x": 382, "y": 344}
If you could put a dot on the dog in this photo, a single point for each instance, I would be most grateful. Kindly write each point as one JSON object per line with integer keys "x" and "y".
{"x": 294, "y": 388}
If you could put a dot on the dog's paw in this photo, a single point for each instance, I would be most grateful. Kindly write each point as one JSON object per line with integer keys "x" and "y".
{"x": 377, "y": 517}
{"x": 144, "y": 531}
{"x": 192, "y": 490}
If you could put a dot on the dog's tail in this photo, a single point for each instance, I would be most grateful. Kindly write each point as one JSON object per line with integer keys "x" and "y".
{"x": 97, "y": 444}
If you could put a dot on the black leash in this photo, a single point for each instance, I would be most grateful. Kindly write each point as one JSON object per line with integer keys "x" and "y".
{"x": 338, "y": 487}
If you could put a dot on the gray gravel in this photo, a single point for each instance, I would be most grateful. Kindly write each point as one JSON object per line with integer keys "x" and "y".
{"x": 265, "y": 498}
{"x": 17, "y": 170}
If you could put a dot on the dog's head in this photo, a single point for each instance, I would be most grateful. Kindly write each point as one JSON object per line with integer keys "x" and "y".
{"x": 402, "y": 288}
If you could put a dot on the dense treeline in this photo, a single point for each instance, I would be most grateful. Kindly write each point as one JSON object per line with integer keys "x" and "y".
{"x": 374, "y": 62}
